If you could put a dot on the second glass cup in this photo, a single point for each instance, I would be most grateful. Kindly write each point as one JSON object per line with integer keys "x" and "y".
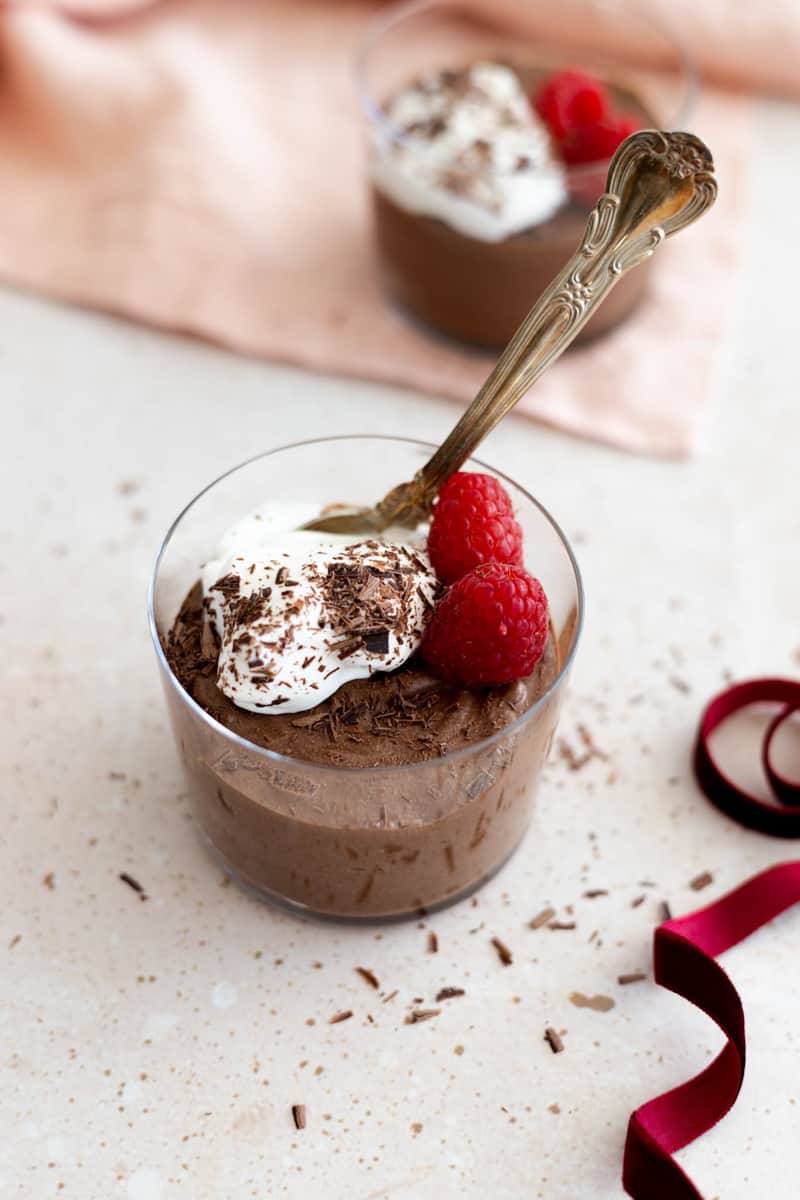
{"x": 357, "y": 842}
{"x": 463, "y": 245}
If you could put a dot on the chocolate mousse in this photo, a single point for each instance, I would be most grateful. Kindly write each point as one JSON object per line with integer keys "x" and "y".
{"x": 331, "y": 700}
{"x": 437, "y": 814}
{"x": 474, "y": 211}
{"x": 389, "y": 719}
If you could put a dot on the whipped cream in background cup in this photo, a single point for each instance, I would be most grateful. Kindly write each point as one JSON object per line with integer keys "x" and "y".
{"x": 472, "y": 223}
{"x": 371, "y": 843}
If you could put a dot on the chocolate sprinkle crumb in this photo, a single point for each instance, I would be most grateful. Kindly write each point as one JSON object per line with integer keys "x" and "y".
{"x": 448, "y": 993}
{"x": 369, "y": 976}
{"x": 133, "y": 883}
{"x": 542, "y": 918}
{"x": 299, "y": 1116}
{"x": 341, "y": 1016}
{"x": 561, "y": 925}
{"x": 503, "y": 952}
{"x": 421, "y": 1014}
{"x": 433, "y": 943}
{"x": 553, "y": 1040}
{"x": 593, "y": 893}
{"x": 639, "y": 900}
{"x": 631, "y": 977}
{"x": 701, "y": 881}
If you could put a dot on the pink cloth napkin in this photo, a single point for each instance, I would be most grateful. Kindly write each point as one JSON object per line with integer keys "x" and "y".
{"x": 199, "y": 166}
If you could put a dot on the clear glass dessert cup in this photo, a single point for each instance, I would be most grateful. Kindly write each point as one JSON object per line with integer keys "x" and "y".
{"x": 461, "y": 285}
{"x": 359, "y": 843}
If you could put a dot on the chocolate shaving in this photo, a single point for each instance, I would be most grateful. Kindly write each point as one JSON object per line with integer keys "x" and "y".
{"x": 228, "y": 585}
{"x": 377, "y": 643}
{"x": 281, "y": 575}
{"x": 421, "y": 1014}
{"x": 368, "y": 976}
{"x": 601, "y": 1004}
{"x": 299, "y": 1116}
{"x": 341, "y": 1016}
{"x": 542, "y": 918}
{"x": 631, "y": 977}
{"x": 133, "y": 883}
{"x": 503, "y": 952}
{"x": 448, "y": 993}
{"x": 701, "y": 881}
{"x": 553, "y": 1040}
{"x": 666, "y": 911}
{"x": 593, "y": 893}
{"x": 561, "y": 925}
{"x": 639, "y": 900}
{"x": 433, "y": 943}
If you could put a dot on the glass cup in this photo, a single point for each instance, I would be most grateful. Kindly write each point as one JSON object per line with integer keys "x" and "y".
{"x": 377, "y": 842}
{"x": 476, "y": 290}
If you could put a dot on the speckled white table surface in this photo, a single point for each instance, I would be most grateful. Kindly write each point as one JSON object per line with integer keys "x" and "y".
{"x": 152, "y": 1051}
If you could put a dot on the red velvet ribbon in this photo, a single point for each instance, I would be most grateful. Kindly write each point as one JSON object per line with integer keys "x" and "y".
{"x": 685, "y": 949}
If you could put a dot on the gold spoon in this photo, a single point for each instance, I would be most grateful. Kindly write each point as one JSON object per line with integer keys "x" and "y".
{"x": 658, "y": 183}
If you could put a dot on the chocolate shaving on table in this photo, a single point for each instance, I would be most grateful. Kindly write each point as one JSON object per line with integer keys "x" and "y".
{"x": 433, "y": 943}
{"x": 341, "y": 1016}
{"x": 368, "y": 976}
{"x": 133, "y": 883}
{"x": 594, "y": 893}
{"x": 598, "y": 1003}
{"x": 299, "y": 1116}
{"x": 588, "y": 741}
{"x": 561, "y": 925}
{"x": 503, "y": 952}
{"x": 391, "y": 996}
{"x": 631, "y": 977}
{"x": 421, "y": 1014}
{"x": 666, "y": 911}
{"x": 553, "y": 1039}
{"x": 701, "y": 881}
{"x": 542, "y": 918}
{"x": 449, "y": 993}
{"x": 637, "y": 901}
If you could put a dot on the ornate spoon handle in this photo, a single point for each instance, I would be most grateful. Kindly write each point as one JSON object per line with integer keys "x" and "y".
{"x": 658, "y": 183}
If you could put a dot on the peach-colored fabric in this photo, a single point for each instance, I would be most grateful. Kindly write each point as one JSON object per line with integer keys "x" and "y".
{"x": 199, "y": 166}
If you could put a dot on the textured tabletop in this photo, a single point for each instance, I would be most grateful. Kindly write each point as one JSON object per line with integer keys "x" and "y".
{"x": 153, "y": 1050}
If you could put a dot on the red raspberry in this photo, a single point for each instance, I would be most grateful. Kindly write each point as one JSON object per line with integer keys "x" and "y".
{"x": 597, "y": 142}
{"x": 570, "y": 99}
{"x": 489, "y": 628}
{"x": 473, "y": 522}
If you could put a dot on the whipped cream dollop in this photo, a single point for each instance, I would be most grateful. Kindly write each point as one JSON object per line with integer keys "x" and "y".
{"x": 299, "y": 613}
{"x": 471, "y": 152}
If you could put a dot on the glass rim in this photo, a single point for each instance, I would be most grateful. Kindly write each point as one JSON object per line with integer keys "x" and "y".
{"x": 284, "y": 760}
{"x": 382, "y": 25}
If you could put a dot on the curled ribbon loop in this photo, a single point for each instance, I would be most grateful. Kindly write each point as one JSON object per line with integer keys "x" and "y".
{"x": 685, "y": 949}
{"x": 787, "y": 790}
{"x": 742, "y": 805}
